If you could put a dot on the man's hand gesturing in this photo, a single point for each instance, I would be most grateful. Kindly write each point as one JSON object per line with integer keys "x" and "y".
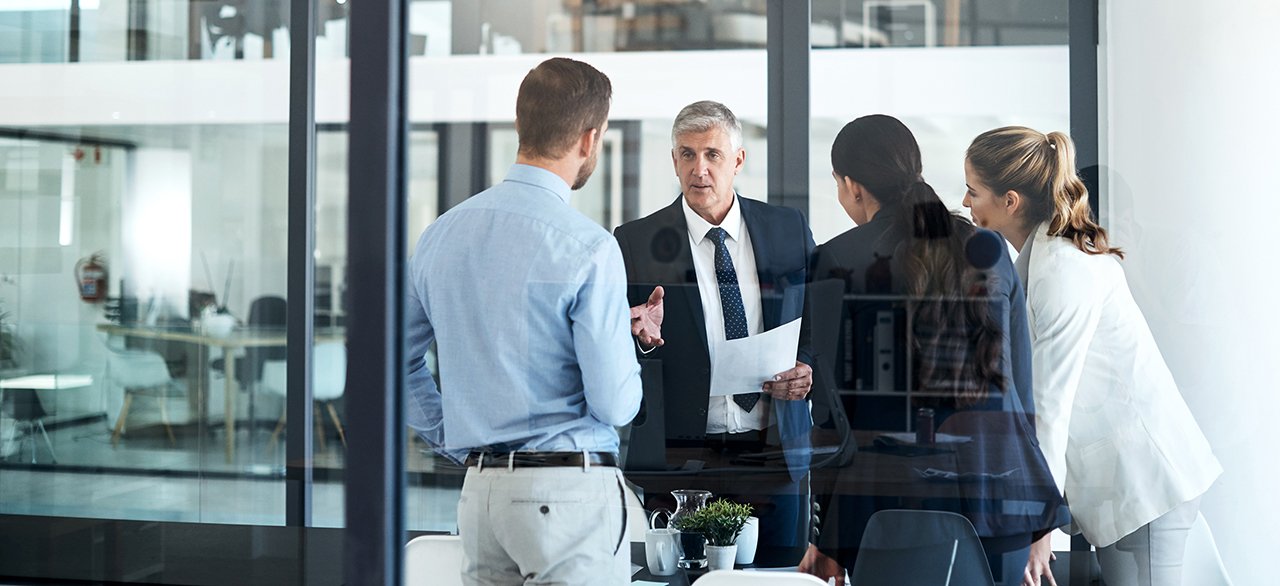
{"x": 646, "y": 321}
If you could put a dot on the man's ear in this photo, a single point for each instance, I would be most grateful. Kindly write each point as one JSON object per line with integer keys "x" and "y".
{"x": 740, "y": 158}
{"x": 587, "y": 144}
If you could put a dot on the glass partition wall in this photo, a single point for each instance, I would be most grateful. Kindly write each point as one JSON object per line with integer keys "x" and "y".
{"x": 138, "y": 263}
{"x": 144, "y": 242}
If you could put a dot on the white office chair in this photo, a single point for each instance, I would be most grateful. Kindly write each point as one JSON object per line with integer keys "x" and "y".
{"x": 328, "y": 380}
{"x": 1201, "y": 564}
{"x": 750, "y": 577}
{"x": 139, "y": 373}
{"x": 433, "y": 559}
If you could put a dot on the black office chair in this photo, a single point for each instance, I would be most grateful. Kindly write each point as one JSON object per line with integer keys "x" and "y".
{"x": 265, "y": 313}
{"x": 29, "y": 413}
{"x": 920, "y": 547}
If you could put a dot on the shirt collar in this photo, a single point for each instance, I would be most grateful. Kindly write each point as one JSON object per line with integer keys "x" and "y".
{"x": 698, "y": 227}
{"x": 539, "y": 177}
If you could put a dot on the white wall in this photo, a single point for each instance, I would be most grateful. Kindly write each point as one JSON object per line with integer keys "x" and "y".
{"x": 1191, "y": 124}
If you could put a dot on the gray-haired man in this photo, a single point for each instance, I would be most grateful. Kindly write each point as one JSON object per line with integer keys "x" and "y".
{"x": 711, "y": 267}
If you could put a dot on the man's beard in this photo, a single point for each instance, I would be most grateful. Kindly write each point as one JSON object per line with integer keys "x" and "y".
{"x": 584, "y": 172}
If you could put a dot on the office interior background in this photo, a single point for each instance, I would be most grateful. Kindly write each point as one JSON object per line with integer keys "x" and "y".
{"x": 150, "y": 140}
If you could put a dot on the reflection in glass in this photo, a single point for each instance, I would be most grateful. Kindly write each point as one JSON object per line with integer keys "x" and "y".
{"x": 928, "y": 23}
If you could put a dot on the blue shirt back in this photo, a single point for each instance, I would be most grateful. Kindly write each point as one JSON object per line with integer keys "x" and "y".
{"x": 526, "y": 298}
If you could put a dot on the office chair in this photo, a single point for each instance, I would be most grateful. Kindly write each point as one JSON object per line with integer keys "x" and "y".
{"x": 328, "y": 380}
{"x": 749, "y": 578}
{"x": 29, "y": 412}
{"x": 141, "y": 373}
{"x": 920, "y": 547}
{"x": 434, "y": 559}
{"x": 265, "y": 313}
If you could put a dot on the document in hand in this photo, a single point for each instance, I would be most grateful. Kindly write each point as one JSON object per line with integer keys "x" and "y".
{"x": 746, "y": 363}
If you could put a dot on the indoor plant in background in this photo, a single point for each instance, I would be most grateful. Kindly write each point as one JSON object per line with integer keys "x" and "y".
{"x": 10, "y": 346}
{"x": 720, "y": 523}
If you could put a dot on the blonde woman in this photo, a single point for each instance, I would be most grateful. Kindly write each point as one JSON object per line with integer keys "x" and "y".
{"x": 1122, "y": 444}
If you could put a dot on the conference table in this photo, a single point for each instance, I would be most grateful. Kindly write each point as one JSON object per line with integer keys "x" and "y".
{"x": 239, "y": 339}
{"x": 681, "y": 577}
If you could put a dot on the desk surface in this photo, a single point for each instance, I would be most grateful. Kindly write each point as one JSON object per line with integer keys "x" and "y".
{"x": 241, "y": 337}
{"x": 680, "y": 578}
{"x": 47, "y": 382}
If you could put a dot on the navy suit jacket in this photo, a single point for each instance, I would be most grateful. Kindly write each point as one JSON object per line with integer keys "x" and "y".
{"x": 1002, "y": 458}
{"x": 655, "y": 250}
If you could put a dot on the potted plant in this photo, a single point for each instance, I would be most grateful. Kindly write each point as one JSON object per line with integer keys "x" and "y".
{"x": 720, "y": 523}
{"x": 10, "y": 346}
{"x": 693, "y": 553}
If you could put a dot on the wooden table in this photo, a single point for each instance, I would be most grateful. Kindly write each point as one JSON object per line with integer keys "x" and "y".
{"x": 238, "y": 339}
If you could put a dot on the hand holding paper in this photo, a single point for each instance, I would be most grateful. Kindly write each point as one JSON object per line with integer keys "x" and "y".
{"x": 747, "y": 363}
{"x": 792, "y": 384}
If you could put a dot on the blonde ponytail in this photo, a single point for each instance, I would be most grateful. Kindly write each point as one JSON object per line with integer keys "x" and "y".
{"x": 1072, "y": 217}
{"x": 1041, "y": 168}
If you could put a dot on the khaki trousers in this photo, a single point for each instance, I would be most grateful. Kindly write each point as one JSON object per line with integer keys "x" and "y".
{"x": 543, "y": 526}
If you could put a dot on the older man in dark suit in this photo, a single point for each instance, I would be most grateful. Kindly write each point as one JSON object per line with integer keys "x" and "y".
{"x": 712, "y": 267}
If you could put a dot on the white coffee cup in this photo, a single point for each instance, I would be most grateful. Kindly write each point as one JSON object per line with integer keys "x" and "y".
{"x": 747, "y": 542}
{"x": 662, "y": 551}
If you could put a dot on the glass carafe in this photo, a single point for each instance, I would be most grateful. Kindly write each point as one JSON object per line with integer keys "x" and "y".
{"x": 692, "y": 544}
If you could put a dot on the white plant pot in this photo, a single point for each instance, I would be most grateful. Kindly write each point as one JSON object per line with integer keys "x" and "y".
{"x": 746, "y": 542}
{"x": 219, "y": 325}
{"x": 720, "y": 557}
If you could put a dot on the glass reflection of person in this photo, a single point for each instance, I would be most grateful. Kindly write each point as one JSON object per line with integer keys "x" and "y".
{"x": 1122, "y": 443}
{"x": 527, "y": 300}
{"x": 971, "y": 347}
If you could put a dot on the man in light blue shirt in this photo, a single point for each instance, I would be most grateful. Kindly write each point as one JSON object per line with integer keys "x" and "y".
{"x": 527, "y": 301}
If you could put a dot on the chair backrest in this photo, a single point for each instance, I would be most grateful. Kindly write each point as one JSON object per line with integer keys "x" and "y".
{"x": 920, "y": 547}
{"x": 1201, "y": 564}
{"x": 433, "y": 559}
{"x": 136, "y": 368}
{"x": 328, "y": 372}
{"x": 264, "y": 312}
{"x": 750, "y": 577}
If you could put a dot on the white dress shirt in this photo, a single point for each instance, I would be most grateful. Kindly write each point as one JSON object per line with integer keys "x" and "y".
{"x": 723, "y": 415}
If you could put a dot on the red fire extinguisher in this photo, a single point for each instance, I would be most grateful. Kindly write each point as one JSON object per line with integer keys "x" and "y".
{"x": 91, "y": 278}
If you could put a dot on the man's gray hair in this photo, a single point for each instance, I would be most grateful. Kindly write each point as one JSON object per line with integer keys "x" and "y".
{"x": 703, "y": 116}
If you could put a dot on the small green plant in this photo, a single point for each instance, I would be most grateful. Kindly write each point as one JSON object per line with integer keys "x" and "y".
{"x": 720, "y": 522}
{"x": 10, "y": 346}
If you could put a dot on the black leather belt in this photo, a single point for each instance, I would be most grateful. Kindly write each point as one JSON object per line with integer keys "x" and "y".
{"x": 541, "y": 459}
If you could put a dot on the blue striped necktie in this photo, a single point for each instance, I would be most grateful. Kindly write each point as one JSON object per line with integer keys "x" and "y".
{"x": 735, "y": 317}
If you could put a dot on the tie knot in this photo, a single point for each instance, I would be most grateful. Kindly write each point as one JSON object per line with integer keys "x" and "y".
{"x": 718, "y": 234}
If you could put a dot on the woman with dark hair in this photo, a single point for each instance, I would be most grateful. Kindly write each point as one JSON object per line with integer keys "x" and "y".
{"x": 970, "y": 359}
{"x": 1123, "y": 445}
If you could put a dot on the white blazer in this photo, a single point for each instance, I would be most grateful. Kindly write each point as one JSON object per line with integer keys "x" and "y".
{"x": 1122, "y": 445}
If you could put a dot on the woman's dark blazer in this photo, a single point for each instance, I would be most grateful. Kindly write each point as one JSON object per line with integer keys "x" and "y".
{"x": 1004, "y": 485}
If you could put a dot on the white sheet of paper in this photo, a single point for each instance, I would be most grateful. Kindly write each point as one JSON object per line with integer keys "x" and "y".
{"x": 746, "y": 363}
